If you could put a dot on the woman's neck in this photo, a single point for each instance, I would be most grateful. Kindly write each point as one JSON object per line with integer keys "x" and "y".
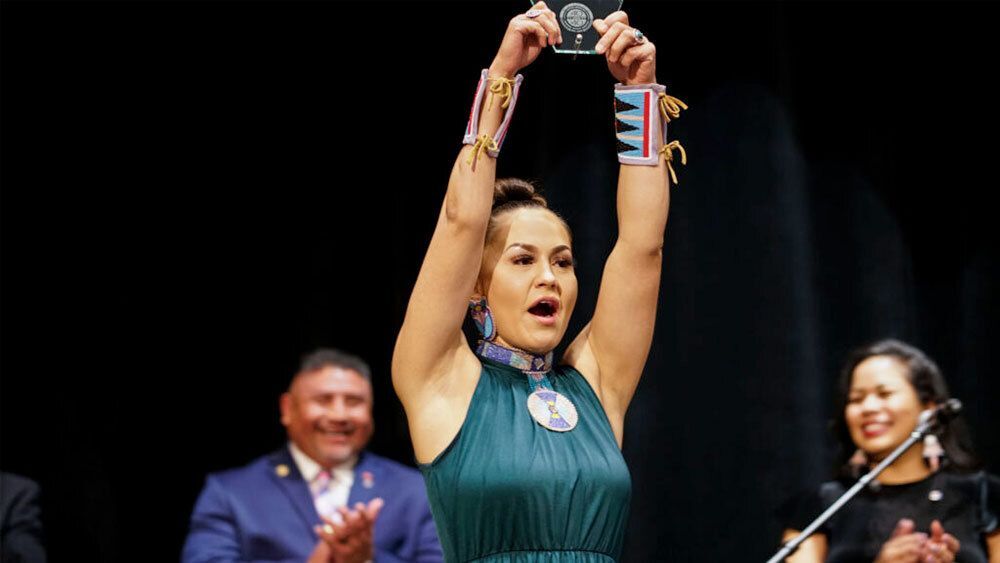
{"x": 909, "y": 468}
{"x": 525, "y": 361}
{"x": 499, "y": 341}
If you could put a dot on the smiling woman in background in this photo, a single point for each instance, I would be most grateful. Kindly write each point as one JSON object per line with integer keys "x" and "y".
{"x": 929, "y": 505}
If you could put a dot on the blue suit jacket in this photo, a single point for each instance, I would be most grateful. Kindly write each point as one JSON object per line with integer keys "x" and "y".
{"x": 264, "y": 512}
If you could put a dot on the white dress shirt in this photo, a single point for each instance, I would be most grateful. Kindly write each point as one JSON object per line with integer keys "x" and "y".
{"x": 342, "y": 477}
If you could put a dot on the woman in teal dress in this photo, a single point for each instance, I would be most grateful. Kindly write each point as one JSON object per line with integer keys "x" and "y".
{"x": 522, "y": 458}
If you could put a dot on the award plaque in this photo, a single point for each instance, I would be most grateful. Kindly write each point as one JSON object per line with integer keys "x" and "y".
{"x": 576, "y": 20}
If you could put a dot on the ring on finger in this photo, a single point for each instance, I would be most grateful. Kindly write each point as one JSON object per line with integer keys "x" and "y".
{"x": 328, "y": 529}
{"x": 533, "y": 13}
{"x": 639, "y": 36}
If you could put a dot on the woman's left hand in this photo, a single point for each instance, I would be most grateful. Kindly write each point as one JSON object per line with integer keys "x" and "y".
{"x": 631, "y": 56}
{"x": 940, "y": 547}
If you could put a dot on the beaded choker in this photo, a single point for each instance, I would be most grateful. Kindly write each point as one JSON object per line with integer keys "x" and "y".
{"x": 548, "y": 407}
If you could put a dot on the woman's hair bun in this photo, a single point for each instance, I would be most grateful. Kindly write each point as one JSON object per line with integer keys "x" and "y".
{"x": 509, "y": 193}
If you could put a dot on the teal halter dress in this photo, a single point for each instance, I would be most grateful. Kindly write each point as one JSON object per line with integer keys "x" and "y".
{"x": 509, "y": 490}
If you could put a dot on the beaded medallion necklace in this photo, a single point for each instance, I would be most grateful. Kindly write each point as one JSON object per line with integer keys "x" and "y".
{"x": 547, "y": 406}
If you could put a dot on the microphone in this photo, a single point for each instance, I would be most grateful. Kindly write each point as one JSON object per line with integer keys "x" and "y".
{"x": 942, "y": 413}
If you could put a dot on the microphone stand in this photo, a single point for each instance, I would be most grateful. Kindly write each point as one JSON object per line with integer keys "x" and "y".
{"x": 925, "y": 422}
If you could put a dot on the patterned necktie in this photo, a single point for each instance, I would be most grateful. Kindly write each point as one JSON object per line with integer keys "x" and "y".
{"x": 323, "y": 495}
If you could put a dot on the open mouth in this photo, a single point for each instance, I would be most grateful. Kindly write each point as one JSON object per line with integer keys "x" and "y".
{"x": 873, "y": 429}
{"x": 545, "y": 309}
{"x": 336, "y": 434}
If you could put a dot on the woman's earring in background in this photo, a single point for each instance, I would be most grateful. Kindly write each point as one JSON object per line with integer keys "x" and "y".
{"x": 933, "y": 452}
{"x": 858, "y": 462}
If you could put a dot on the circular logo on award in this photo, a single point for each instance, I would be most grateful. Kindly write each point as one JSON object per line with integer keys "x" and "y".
{"x": 552, "y": 410}
{"x": 576, "y": 17}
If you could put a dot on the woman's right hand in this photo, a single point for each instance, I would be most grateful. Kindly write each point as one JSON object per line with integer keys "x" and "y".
{"x": 904, "y": 546}
{"x": 527, "y": 35}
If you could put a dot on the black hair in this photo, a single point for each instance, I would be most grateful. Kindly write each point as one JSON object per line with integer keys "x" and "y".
{"x": 331, "y": 357}
{"x": 514, "y": 193}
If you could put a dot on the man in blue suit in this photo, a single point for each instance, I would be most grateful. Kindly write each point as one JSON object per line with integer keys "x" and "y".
{"x": 321, "y": 499}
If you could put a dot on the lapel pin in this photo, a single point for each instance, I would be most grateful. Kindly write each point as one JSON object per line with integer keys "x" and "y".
{"x": 367, "y": 479}
{"x": 281, "y": 470}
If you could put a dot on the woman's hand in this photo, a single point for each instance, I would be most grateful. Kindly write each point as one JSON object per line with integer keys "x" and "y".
{"x": 631, "y": 59}
{"x": 941, "y": 547}
{"x": 904, "y": 546}
{"x": 527, "y": 34}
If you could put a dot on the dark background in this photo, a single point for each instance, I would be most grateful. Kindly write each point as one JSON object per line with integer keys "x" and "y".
{"x": 194, "y": 194}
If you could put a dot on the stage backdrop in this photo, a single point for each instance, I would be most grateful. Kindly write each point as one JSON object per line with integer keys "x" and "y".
{"x": 195, "y": 193}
